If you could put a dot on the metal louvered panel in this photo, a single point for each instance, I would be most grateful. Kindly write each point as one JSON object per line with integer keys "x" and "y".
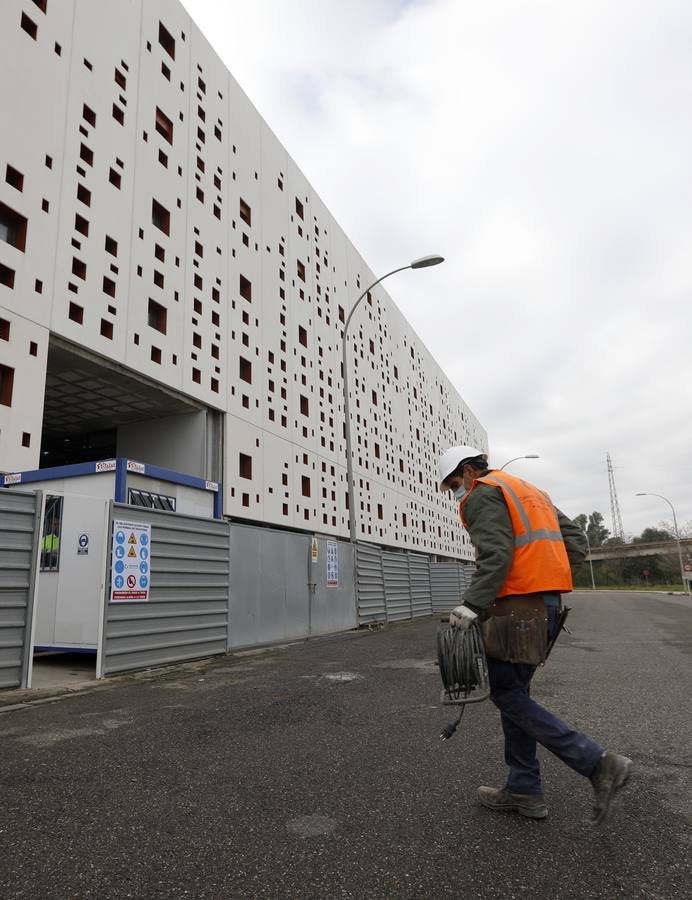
{"x": 186, "y": 616}
{"x": 419, "y": 575}
{"x": 397, "y": 585}
{"x": 465, "y": 575}
{"x": 446, "y": 585}
{"x": 19, "y": 541}
{"x": 370, "y": 583}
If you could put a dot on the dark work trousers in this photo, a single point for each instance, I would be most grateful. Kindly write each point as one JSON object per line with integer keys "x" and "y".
{"x": 526, "y": 723}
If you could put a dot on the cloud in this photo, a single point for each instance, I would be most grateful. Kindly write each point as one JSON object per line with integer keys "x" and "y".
{"x": 544, "y": 149}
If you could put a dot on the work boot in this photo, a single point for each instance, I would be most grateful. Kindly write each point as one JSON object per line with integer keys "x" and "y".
{"x": 610, "y": 776}
{"x": 530, "y": 805}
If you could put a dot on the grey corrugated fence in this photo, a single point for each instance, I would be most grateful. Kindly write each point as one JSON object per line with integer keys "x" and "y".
{"x": 20, "y": 526}
{"x": 187, "y": 613}
{"x": 397, "y": 585}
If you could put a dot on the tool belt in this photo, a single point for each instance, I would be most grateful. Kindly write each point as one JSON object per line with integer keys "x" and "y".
{"x": 515, "y": 629}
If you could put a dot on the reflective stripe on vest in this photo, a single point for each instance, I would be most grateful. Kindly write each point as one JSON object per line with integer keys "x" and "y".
{"x": 541, "y": 534}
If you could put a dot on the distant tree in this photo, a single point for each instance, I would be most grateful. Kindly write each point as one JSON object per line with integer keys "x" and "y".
{"x": 596, "y": 530}
{"x": 654, "y": 534}
{"x": 685, "y": 528}
{"x": 581, "y": 521}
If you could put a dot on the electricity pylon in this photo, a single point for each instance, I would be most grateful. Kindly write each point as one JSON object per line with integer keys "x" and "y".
{"x": 614, "y": 505}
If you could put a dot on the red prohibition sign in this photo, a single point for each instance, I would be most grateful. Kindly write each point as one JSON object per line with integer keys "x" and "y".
{"x": 131, "y": 581}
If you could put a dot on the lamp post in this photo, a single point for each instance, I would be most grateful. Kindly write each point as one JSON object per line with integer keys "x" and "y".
{"x": 677, "y": 534}
{"x": 528, "y": 456}
{"x": 588, "y": 544}
{"x": 421, "y": 263}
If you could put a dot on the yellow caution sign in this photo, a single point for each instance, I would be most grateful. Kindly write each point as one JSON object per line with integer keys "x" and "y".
{"x": 132, "y": 539}
{"x": 132, "y": 552}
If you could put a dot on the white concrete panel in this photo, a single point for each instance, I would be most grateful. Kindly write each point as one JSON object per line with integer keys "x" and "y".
{"x": 24, "y": 352}
{"x": 33, "y": 101}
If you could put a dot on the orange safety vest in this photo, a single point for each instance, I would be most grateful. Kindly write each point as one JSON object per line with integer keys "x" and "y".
{"x": 540, "y": 560}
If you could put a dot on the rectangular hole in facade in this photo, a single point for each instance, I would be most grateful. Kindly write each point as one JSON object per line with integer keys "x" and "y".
{"x": 166, "y": 40}
{"x": 245, "y": 370}
{"x": 6, "y": 385}
{"x": 157, "y": 316}
{"x": 76, "y": 313}
{"x": 81, "y": 225}
{"x": 164, "y": 126}
{"x": 6, "y": 276}
{"x": 14, "y": 178}
{"x": 86, "y": 154}
{"x": 245, "y": 288}
{"x": 245, "y": 466}
{"x": 12, "y": 227}
{"x": 160, "y": 217}
{"x": 29, "y": 26}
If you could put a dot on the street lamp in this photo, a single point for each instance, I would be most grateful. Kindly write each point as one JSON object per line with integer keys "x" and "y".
{"x": 528, "y": 456}
{"x": 677, "y": 534}
{"x": 588, "y": 544}
{"x": 422, "y": 263}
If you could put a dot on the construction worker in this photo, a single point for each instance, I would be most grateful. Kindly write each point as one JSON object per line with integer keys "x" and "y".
{"x": 50, "y": 547}
{"x": 524, "y": 548}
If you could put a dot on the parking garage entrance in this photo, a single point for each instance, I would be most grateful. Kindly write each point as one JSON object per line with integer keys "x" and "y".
{"x": 95, "y": 409}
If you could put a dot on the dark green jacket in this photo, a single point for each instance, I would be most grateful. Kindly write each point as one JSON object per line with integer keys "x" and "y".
{"x": 490, "y": 528}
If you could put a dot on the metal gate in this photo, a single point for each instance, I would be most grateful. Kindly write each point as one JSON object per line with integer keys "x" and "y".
{"x": 186, "y": 616}
{"x": 20, "y": 529}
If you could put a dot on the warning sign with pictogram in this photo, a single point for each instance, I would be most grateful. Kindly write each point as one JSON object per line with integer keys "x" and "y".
{"x": 130, "y": 562}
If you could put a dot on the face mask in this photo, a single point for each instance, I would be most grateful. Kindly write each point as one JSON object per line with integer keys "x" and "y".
{"x": 460, "y": 493}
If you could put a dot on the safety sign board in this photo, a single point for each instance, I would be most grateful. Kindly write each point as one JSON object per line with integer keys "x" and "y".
{"x": 131, "y": 562}
{"x": 332, "y": 564}
{"x": 314, "y": 550}
{"x": 82, "y": 544}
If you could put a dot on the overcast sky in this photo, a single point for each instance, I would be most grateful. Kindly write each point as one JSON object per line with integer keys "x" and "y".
{"x": 545, "y": 149}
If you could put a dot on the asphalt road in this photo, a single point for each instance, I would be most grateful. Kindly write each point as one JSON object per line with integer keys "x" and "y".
{"x": 315, "y": 771}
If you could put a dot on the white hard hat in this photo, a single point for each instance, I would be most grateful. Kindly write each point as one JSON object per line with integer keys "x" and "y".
{"x": 451, "y": 458}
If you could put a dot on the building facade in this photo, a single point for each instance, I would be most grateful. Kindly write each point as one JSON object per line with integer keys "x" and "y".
{"x": 173, "y": 290}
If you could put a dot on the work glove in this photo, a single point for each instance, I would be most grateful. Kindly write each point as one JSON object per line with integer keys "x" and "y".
{"x": 462, "y": 617}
